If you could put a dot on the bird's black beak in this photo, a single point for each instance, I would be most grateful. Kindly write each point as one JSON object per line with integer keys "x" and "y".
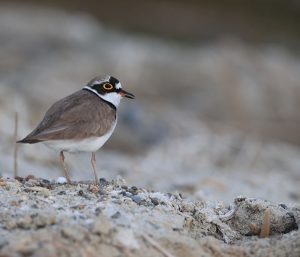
{"x": 124, "y": 93}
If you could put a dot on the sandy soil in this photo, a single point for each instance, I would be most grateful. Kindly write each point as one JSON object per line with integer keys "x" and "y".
{"x": 43, "y": 218}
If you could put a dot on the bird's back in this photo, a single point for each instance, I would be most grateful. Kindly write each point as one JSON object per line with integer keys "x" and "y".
{"x": 77, "y": 116}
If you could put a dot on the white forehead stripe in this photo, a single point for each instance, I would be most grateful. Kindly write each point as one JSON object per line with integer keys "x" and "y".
{"x": 118, "y": 86}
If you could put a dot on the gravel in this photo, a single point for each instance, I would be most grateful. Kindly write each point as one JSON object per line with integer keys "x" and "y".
{"x": 37, "y": 219}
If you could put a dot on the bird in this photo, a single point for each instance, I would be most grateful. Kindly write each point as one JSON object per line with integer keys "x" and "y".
{"x": 82, "y": 121}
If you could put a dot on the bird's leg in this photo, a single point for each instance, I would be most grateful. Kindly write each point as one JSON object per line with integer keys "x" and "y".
{"x": 93, "y": 161}
{"x": 62, "y": 162}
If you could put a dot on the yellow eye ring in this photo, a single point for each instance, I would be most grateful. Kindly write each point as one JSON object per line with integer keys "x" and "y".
{"x": 107, "y": 86}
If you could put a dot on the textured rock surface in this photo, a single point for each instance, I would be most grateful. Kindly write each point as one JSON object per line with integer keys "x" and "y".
{"x": 250, "y": 211}
{"x": 81, "y": 220}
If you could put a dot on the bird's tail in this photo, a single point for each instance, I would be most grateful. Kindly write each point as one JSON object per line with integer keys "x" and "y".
{"x": 27, "y": 140}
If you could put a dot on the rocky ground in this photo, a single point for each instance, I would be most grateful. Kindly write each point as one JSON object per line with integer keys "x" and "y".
{"x": 43, "y": 218}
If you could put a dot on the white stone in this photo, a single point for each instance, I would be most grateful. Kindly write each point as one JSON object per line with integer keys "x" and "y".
{"x": 61, "y": 180}
{"x": 127, "y": 239}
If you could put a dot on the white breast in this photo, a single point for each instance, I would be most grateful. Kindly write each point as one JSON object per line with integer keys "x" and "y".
{"x": 91, "y": 144}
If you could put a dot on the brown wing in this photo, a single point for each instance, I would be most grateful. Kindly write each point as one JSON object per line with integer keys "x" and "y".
{"x": 77, "y": 116}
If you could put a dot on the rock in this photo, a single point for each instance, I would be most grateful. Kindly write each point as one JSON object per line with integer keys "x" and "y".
{"x": 295, "y": 213}
{"x": 25, "y": 222}
{"x": 155, "y": 201}
{"x": 102, "y": 225}
{"x": 76, "y": 233}
{"x": 94, "y": 189}
{"x": 61, "y": 180}
{"x": 44, "y": 219}
{"x": 2, "y": 183}
{"x": 30, "y": 177}
{"x": 137, "y": 199}
{"x": 9, "y": 223}
{"x": 31, "y": 182}
{"x": 249, "y": 213}
{"x": 116, "y": 215}
{"x": 41, "y": 190}
{"x": 126, "y": 238}
{"x": 103, "y": 182}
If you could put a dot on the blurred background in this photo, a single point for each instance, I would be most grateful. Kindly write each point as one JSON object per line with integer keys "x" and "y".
{"x": 217, "y": 88}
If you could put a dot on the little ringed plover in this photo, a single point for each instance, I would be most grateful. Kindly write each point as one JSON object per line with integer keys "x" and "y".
{"x": 82, "y": 121}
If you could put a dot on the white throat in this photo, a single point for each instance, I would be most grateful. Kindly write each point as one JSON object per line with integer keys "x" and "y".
{"x": 113, "y": 97}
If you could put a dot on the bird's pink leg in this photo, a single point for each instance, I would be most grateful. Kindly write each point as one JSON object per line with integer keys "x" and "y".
{"x": 62, "y": 162}
{"x": 93, "y": 161}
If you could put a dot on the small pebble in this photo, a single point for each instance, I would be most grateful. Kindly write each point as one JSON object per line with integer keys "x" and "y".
{"x": 80, "y": 192}
{"x": 126, "y": 239}
{"x": 123, "y": 193}
{"x": 94, "y": 189}
{"x": 32, "y": 182}
{"x": 116, "y": 215}
{"x": 128, "y": 194}
{"x": 137, "y": 199}
{"x": 155, "y": 201}
{"x": 45, "y": 181}
{"x": 61, "y": 180}
{"x": 3, "y": 183}
{"x": 13, "y": 203}
{"x": 103, "y": 182}
{"x": 20, "y": 179}
{"x": 29, "y": 177}
{"x": 24, "y": 198}
{"x": 144, "y": 202}
{"x": 98, "y": 210}
{"x": 102, "y": 225}
{"x": 102, "y": 192}
{"x": 133, "y": 190}
{"x": 117, "y": 201}
{"x": 283, "y": 206}
{"x": 41, "y": 190}
{"x": 177, "y": 229}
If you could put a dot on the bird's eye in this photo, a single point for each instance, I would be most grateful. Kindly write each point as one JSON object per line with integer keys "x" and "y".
{"x": 107, "y": 86}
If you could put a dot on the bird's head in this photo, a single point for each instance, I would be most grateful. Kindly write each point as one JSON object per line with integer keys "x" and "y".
{"x": 108, "y": 88}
